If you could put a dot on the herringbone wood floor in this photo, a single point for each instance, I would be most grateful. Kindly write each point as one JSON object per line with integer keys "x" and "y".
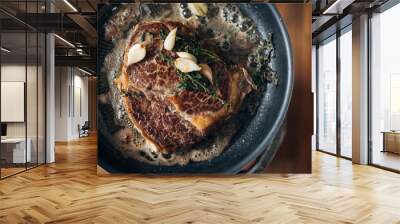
{"x": 69, "y": 191}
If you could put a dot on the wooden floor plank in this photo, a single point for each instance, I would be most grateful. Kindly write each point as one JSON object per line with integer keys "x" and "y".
{"x": 69, "y": 191}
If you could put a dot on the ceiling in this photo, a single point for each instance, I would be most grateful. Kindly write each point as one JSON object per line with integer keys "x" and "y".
{"x": 331, "y": 15}
{"x": 75, "y": 22}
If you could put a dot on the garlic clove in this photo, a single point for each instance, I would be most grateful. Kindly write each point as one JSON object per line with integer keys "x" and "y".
{"x": 207, "y": 72}
{"x": 186, "y": 65}
{"x": 136, "y": 53}
{"x": 187, "y": 55}
{"x": 198, "y": 9}
{"x": 169, "y": 41}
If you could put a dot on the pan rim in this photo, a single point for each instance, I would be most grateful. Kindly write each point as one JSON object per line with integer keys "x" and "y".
{"x": 276, "y": 124}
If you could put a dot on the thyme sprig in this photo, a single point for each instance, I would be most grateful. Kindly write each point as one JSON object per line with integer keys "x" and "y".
{"x": 192, "y": 46}
{"x": 195, "y": 81}
{"x": 166, "y": 58}
{"x": 208, "y": 54}
{"x": 163, "y": 34}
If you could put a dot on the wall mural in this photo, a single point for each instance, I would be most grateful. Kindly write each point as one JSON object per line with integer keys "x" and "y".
{"x": 191, "y": 87}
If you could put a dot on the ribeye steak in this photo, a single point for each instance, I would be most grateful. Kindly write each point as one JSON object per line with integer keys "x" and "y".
{"x": 168, "y": 116}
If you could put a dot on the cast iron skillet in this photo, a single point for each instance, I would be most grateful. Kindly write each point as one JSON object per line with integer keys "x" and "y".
{"x": 252, "y": 140}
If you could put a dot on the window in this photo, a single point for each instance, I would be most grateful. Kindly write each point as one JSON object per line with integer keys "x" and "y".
{"x": 22, "y": 75}
{"x": 334, "y": 73}
{"x": 385, "y": 89}
{"x": 326, "y": 136}
{"x": 346, "y": 93}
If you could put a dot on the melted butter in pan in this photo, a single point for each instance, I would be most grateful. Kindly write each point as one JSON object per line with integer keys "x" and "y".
{"x": 225, "y": 27}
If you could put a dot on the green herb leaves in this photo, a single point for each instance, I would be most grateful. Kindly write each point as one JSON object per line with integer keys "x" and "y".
{"x": 196, "y": 82}
{"x": 163, "y": 34}
{"x": 165, "y": 58}
{"x": 193, "y": 81}
{"x": 209, "y": 55}
{"x": 192, "y": 46}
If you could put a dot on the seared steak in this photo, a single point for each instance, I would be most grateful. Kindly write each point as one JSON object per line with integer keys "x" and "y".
{"x": 159, "y": 124}
{"x": 169, "y": 116}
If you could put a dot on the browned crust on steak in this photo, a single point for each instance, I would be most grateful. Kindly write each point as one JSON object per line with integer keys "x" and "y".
{"x": 158, "y": 123}
{"x": 195, "y": 102}
{"x": 152, "y": 74}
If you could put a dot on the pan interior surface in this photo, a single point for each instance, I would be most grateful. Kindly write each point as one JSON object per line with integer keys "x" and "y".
{"x": 251, "y": 141}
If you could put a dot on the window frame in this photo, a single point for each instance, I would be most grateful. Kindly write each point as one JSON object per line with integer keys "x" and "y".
{"x": 31, "y": 30}
{"x": 381, "y": 9}
{"x": 334, "y": 37}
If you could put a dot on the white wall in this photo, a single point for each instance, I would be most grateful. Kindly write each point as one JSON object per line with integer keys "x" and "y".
{"x": 16, "y": 73}
{"x": 33, "y": 127}
{"x": 61, "y": 103}
{"x": 70, "y": 84}
{"x": 80, "y": 103}
{"x": 12, "y": 73}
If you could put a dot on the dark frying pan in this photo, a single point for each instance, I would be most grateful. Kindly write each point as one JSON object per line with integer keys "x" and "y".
{"x": 254, "y": 139}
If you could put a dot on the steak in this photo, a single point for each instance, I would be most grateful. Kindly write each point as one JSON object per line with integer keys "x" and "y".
{"x": 168, "y": 116}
